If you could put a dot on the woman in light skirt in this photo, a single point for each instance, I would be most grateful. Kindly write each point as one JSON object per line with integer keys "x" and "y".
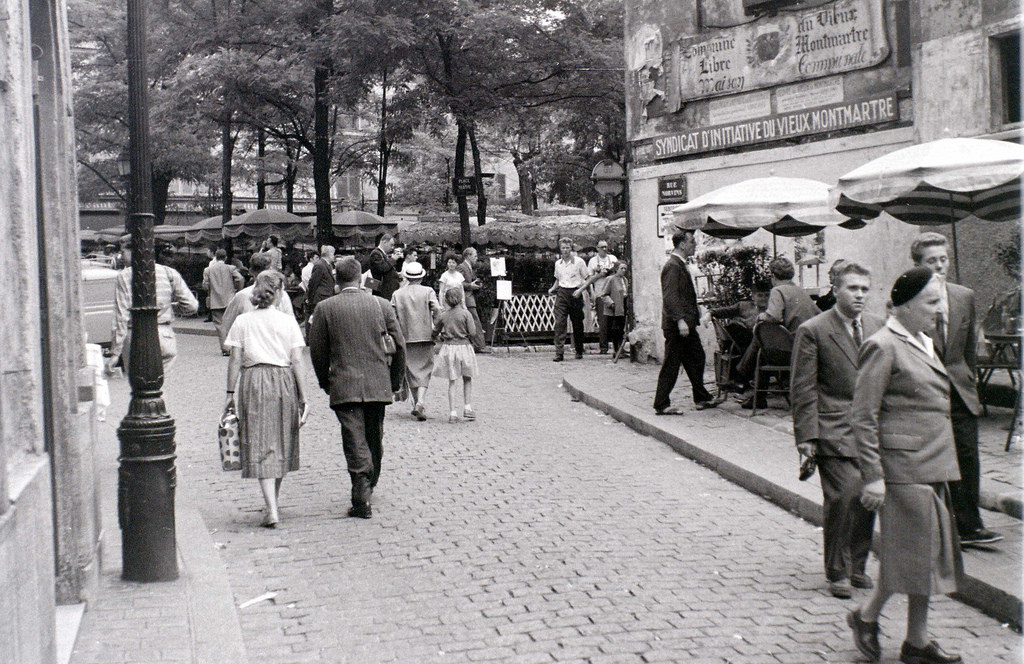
{"x": 417, "y": 309}
{"x": 266, "y": 368}
{"x": 456, "y": 359}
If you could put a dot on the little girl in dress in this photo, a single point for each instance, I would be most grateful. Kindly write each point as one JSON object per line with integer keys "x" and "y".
{"x": 456, "y": 358}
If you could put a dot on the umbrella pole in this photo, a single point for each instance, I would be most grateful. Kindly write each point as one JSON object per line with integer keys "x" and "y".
{"x": 952, "y": 227}
{"x": 775, "y": 248}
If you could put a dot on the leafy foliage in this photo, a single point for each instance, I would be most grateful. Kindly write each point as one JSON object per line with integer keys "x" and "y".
{"x": 734, "y": 270}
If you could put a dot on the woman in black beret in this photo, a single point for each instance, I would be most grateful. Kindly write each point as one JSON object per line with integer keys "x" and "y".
{"x": 900, "y": 420}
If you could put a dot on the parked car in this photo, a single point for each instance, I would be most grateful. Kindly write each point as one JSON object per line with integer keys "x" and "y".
{"x": 98, "y": 301}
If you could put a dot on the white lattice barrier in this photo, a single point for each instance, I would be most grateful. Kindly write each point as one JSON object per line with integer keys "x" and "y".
{"x": 530, "y": 313}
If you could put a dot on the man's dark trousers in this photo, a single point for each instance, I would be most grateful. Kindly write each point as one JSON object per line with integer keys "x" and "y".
{"x": 965, "y": 494}
{"x": 686, "y": 352}
{"x": 847, "y": 526}
{"x": 567, "y": 305}
{"x": 362, "y": 434}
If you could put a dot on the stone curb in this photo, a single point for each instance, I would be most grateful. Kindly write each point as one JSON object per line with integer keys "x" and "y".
{"x": 213, "y": 619}
{"x": 990, "y": 600}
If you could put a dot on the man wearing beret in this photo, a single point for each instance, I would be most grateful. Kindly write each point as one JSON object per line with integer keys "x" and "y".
{"x": 956, "y": 336}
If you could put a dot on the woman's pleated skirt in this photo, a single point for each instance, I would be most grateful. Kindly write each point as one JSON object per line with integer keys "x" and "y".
{"x": 268, "y": 421}
{"x": 920, "y": 551}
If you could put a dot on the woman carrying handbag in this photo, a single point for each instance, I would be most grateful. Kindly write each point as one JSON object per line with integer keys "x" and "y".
{"x": 266, "y": 366}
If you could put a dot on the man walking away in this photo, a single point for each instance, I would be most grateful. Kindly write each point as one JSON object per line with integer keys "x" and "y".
{"x": 321, "y": 279}
{"x": 570, "y": 275}
{"x": 349, "y": 356}
{"x": 469, "y": 287}
{"x": 821, "y": 390}
{"x": 221, "y": 281}
{"x": 679, "y": 319}
{"x": 955, "y": 337}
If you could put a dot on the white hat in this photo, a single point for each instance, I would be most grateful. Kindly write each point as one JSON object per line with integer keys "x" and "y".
{"x": 413, "y": 270}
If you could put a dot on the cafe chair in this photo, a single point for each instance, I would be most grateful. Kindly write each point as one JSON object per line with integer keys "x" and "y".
{"x": 774, "y": 354}
{"x": 726, "y": 357}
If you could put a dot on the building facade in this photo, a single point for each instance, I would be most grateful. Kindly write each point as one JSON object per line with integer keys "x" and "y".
{"x": 721, "y": 91}
{"x": 49, "y": 525}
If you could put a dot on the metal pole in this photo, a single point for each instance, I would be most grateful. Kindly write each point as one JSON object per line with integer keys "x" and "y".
{"x": 146, "y": 477}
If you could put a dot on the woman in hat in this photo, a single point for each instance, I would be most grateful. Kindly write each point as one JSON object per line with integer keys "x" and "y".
{"x": 900, "y": 420}
{"x": 417, "y": 308}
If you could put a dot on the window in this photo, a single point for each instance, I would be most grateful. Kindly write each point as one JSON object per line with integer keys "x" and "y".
{"x": 1005, "y": 54}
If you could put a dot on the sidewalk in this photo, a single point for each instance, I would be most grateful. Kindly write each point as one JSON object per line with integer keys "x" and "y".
{"x": 192, "y": 619}
{"x": 758, "y": 454}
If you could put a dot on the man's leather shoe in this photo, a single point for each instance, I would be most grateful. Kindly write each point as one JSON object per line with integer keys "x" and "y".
{"x": 840, "y": 589}
{"x": 705, "y": 404}
{"x": 558, "y": 358}
{"x": 930, "y": 654}
{"x": 865, "y": 636}
{"x": 861, "y": 581}
{"x": 361, "y": 511}
{"x": 579, "y": 356}
{"x": 981, "y": 536}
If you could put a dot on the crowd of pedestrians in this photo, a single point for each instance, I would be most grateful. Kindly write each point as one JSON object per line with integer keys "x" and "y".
{"x": 884, "y": 409}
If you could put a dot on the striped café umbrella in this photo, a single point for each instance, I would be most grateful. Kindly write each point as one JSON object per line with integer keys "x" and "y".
{"x": 939, "y": 182}
{"x": 787, "y": 207}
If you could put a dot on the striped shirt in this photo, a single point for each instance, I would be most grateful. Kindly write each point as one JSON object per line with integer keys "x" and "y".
{"x": 171, "y": 292}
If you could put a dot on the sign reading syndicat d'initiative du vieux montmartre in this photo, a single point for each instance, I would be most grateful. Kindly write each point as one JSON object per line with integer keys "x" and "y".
{"x": 875, "y": 110}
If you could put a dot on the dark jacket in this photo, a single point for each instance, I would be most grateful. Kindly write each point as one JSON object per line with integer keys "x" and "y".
{"x": 321, "y": 284}
{"x": 383, "y": 270}
{"x": 347, "y": 352}
{"x": 468, "y": 287}
{"x": 678, "y": 297}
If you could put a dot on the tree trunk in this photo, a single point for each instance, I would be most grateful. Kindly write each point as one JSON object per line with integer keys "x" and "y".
{"x": 384, "y": 152}
{"x": 526, "y": 203}
{"x": 291, "y": 173}
{"x": 161, "y": 186}
{"x": 478, "y": 177}
{"x": 460, "y": 169}
{"x": 261, "y": 175}
{"x": 227, "y": 149}
{"x": 321, "y": 155}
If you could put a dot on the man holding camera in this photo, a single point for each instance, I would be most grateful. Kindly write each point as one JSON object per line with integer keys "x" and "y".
{"x": 825, "y": 357}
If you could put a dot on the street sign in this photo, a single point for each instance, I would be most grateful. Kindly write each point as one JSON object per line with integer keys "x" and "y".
{"x": 608, "y": 177}
{"x": 464, "y": 186}
{"x": 672, "y": 190}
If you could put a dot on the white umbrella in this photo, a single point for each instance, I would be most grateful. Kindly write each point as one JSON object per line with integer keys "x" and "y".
{"x": 783, "y": 206}
{"x": 939, "y": 182}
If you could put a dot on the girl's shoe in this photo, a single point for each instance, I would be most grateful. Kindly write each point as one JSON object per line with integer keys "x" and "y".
{"x": 453, "y": 418}
{"x": 468, "y": 414}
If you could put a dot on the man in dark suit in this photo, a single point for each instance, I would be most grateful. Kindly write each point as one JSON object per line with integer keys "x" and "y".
{"x": 679, "y": 319}
{"x": 351, "y": 364}
{"x": 470, "y": 286}
{"x": 828, "y": 300}
{"x": 955, "y": 336}
{"x": 386, "y": 277}
{"x": 821, "y": 390}
{"x": 321, "y": 279}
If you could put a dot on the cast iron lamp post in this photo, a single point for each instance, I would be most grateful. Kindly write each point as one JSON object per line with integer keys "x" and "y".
{"x": 146, "y": 479}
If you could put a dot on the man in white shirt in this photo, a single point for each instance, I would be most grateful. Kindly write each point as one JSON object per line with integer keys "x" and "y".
{"x": 600, "y": 268}
{"x": 570, "y": 276}
{"x": 307, "y": 270}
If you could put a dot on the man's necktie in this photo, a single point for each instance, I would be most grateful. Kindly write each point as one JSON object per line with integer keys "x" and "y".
{"x": 858, "y": 335}
{"x": 940, "y": 333}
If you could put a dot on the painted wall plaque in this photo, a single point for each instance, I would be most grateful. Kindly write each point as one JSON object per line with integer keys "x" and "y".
{"x": 841, "y": 36}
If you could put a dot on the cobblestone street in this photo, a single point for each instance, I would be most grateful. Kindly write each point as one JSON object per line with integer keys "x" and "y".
{"x": 544, "y": 531}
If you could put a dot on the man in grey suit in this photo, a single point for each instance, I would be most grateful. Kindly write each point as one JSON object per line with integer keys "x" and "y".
{"x": 221, "y": 281}
{"x": 470, "y": 286}
{"x": 955, "y": 336}
{"x": 821, "y": 390}
{"x": 347, "y": 348}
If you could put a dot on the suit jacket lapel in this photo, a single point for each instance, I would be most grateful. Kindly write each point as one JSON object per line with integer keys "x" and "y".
{"x": 932, "y": 361}
{"x": 842, "y": 338}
